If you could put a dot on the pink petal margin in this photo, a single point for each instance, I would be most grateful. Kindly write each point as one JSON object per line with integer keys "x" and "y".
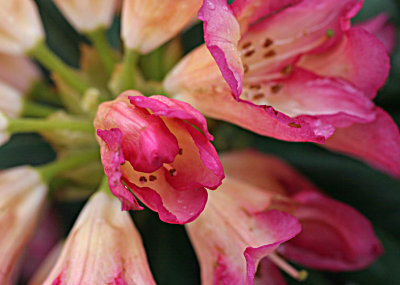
{"x": 112, "y": 158}
{"x": 335, "y": 236}
{"x": 172, "y": 108}
{"x": 284, "y": 226}
{"x": 222, "y": 34}
{"x": 377, "y": 142}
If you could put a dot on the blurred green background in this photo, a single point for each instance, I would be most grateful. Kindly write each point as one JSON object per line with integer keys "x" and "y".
{"x": 170, "y": 254}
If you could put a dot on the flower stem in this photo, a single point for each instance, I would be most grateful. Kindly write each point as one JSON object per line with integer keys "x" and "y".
{"x": 32, "y": 109}
{"x": 51, "y": 169}
{"x": 46, "y": 57}
{"x": 37, "y": 125}
{"x": 99, "y": 40}
{"x": 128, "y": 70}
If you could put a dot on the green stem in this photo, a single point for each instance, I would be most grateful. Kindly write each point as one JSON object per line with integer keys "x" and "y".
{"x": 41, "y": 92}
{"x": 99, "y": 40}
{"x": 51, "y": 169}
{"x": 32, "y": 109}
{"x": 46, "y": 57}
{"x": 37, "y": 125}
{"x": 128, "y": 70}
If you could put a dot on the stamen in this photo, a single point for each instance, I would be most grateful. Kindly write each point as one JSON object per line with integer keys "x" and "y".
{"x": 282, "y": 264}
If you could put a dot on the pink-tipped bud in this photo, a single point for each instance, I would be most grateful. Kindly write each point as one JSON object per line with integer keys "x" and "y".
{"x": 20, "y": 26}
{"x": 148, "y": 24}
{"x": 87, "y": 15}
{"x": 103, "y": 248}
{"x": 22, "y": 195}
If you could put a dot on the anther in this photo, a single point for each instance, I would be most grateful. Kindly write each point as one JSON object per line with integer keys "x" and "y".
{"x": 270, "y": 53}
{"x": 267, "y": 43}
{"x": 276, "y": 88}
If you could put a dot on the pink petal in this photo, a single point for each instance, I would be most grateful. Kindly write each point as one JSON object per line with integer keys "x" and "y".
{"x": 268, "y": 273}
{"x": 249, "y": 12}
{"x": 197, "y": 164}
{"x": 171, "y": 108}
{"x": 222, "y": 34}
{"x": 173, "y": 206}
{"x": 359, "y": 58}
{"x": 334, "y": 237}
{"x": 146, "y": 141}
{"x": 112, "y": 157}
{"x": 264, "y": 171}
{"x": 382, "y": 29}
{"x": 278, "y": 41}
{"x": 377, "y": 142}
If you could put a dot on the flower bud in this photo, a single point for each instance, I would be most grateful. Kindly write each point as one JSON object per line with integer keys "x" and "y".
{"x": 103, "y": 248}
{"x": 11, "y": 100}
{"x": 87, "y": 15}
{"x": 22, "y": 196}
{"x": 20, "y": 26}
{"x": 148, "y": 24}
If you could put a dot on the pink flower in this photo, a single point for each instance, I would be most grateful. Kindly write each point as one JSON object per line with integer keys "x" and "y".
{"x": 103, "y": 248}
{"x": 22, "y": 196}
{"x": 297, "y": 72}
{"x": 334, "y": 236}
{"x": 148, "y": 24}
{"x": 160, "y": 149}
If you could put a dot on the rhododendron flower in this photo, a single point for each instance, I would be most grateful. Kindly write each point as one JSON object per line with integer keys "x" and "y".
{"x": 236, "y": 230}
{"x": 22, "y": 196}
{"x": 382, "y": 29}
{"x": 18, "y": 72}
{"x": 297, "y": 72}
{"x": 87, "y": 15}
{"x": 158, "y": 148}
{"x": 334, "y": 236}
{"x": 148, "y": 24}
{"x": 20, "y": 27}
{"x": 103, "y": 248}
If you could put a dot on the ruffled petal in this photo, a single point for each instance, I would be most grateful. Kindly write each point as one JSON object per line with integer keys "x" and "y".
{"x": 359, "y": 58}
{"x": 249, "y": 12}
{"x": 269, "y": 47}
{"x": 380, "y": 27}
{"x": 377, "y": 142}
{"x": 146, "y": 141}
{"x": 197, "y": 164}
{"x": 171, "y": 108}
{"x": 112, "y": 158}
{"x": 235, "y": 231}
{"x": 335, "y": 236}
{"x": 173, "y": 206}
{"x": 222, "y": 34}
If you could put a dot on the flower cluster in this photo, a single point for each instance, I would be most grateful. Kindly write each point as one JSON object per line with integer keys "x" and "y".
{"x": 129, "y": 133}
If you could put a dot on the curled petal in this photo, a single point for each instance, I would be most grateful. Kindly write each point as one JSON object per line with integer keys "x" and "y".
{"x": 222, "y": 34}
{"x": 359, "y": 58}
{"x": 377, "y": 142}
{"x": 380, "y": 27}
{"x": 112, "y": 157}
{"x": 335, "y": 236}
